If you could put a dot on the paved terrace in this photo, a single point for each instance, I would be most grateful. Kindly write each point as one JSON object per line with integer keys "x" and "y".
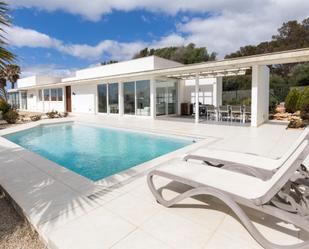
{"x": 70, "y": 211}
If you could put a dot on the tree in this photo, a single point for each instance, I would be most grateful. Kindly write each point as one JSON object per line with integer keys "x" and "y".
{"x": 108, "y": 62}
{"x": 10, "y": 73}
{"x": 185, "y": 54}
{"x": 300, "y": 75}
{"x": 6, "y": 56}
{"x": 291, "y": 35}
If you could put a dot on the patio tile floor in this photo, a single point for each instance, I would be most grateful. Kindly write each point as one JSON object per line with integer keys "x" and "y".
{"x": 70, "y": 211}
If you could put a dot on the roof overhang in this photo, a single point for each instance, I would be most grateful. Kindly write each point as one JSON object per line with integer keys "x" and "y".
{"x": 224, "y": 67}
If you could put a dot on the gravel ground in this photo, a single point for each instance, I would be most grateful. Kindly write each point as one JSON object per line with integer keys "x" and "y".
{"x": 15, "y": 232}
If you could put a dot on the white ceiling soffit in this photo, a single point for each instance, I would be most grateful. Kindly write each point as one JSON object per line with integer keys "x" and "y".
{"x": 210, "y": 74}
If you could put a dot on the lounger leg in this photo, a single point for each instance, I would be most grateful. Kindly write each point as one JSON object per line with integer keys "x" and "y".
{"x": 230, "y": 203}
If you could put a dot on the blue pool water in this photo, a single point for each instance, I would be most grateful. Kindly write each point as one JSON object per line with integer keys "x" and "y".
{"x": 94, "y": 152}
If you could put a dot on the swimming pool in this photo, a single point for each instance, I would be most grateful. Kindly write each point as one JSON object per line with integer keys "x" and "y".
{"x": 94, "y": 152}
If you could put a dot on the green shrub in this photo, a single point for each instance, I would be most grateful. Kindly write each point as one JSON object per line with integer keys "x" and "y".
{"x": 291, "y": 101}
{"x": 35, "y": 117}
{"x": 53, "y": 114}
{"x": 303, "y": 99}
{"x": 304, "y": 112}
{"x": 272, "y": 105}
{"x": 11, "y": 116}
{"x": 246, "y": 102}
{"x": 4, "y": 106}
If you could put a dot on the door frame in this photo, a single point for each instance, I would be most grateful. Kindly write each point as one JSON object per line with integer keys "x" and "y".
{"x": 68, "y": 99}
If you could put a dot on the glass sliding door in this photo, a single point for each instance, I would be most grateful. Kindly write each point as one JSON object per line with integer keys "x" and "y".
{"x": 172, "y": 99}
{"x": 143, "y": 98}
{"x": 129, "y": 97}
{"x": 166, "y": 97}
{"x": 102, "y": 98}
{"x": 161, "y": 101}
{"x": 14, "y": 100}
{"x": 113, "y": 99}
{"x": 23, "y": 96}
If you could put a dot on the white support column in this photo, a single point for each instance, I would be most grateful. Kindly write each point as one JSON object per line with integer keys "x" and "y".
{"x": 153, "y": 98}
{"x": 120, "y": 98}
{"x": 197, "y": 87}
{"x": 259, "y": 95}
{"x": 217, "y": 92}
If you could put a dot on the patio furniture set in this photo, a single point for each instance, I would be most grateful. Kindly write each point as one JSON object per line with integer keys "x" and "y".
{"x": 229, "y": 113}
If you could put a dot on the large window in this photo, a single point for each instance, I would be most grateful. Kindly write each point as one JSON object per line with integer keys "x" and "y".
{"x": 60, "y": 94}
{"x": 113, "y": 98}
{"x": 14, "y": 99}
{"x": 23, "y": 96}
{"x": 129, "y": 97}
{"x": 46, "y": 94}
{"x": 53, "y": 94}
{"x": 143, "y": 97}
{"x": 102, "y": 98}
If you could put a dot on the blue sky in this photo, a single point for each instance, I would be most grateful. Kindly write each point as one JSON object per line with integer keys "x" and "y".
{"x": 59, "y": 36}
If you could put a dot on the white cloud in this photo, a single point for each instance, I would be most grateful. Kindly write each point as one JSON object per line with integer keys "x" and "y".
{"x": 231, "y": 24}
{"x": 21, "y": 37}
{"x": 94, "y": 9}
{"x": 229, "y": 30}
{"x": 47, "y": 69}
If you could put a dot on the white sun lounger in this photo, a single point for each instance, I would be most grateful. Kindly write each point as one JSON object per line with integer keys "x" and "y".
{"x": 222, "y": 157}
{"x": 273, "y": 197}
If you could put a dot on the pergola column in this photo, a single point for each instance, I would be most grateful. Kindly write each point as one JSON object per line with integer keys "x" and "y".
{"x": 259, "y": 95}
{"x": 197, "y": 87}
{"x": 217, "y": 92}
{"x": 120, "y": 98}
{"x": 153, "y": 110}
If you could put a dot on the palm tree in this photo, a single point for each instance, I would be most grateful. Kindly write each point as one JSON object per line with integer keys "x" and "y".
{"x": 5, "y": 21}
{"x": 6, "y": 57}
{"x": 10, "y": 73}
{"x": 3, "y": 94}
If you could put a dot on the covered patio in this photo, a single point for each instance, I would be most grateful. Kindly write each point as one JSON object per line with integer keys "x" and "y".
{"x": 258, "y": 64}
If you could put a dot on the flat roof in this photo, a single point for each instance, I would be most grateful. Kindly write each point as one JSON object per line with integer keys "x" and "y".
{"x": 204, "y": 68}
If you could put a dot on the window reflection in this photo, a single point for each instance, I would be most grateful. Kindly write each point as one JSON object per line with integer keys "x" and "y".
{"x": 129, "y": 97}
{"x": 102, "y": 98}
{"x": 113, "y": 98}
{"x": 143, "y": 98}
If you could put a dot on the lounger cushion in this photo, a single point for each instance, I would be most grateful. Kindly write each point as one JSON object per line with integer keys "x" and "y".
{"x": 241, "y": 158}
{"x": 249, "y": 159}
{"x": 231, "y": 182}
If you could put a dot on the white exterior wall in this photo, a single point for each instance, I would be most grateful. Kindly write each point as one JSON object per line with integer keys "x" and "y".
{"x": 25, "y": 82}
{"x": 37, "y": 80}
{"x": 84, "y": 98}
{"x": 260, "y": 95}
{"x": 187, "y": 91}
{"x": 136, "y": 65}
{"x": 35, "y": 105}
{"x": 160, "y": 63}
{"x": 32, "y": 99}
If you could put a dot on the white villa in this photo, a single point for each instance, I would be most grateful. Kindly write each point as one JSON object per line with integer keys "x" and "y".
{"x": 225, "y": 186}
{"x": 150, "y": 87}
